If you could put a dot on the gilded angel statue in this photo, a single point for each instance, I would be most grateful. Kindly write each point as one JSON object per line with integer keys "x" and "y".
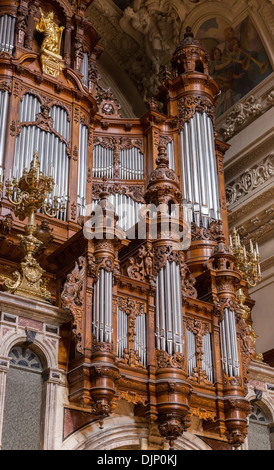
{"x": 52, "y": 33}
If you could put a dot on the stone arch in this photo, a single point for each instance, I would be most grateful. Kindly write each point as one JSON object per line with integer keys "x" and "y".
{"x": 46, "y": 349}
{"x": 23, "y": 403}
{"x": 129, "y": 432}
{"x": 206, "y": 11}
{"x": 48, "y": 360}
{"x": 264, "y": 403}
{"x": 266, "y": 410}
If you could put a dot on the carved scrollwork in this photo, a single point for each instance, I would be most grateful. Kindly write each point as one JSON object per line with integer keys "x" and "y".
{"x": 165, "y": 360}
{"x": 98, "y": 346}
{"x": 161, "y": 139}
{"x": 241, "y": 113}
{"x": 132, "y": 397}
{"x": 132, "y": 308}
{"x": 199, "y": 329}
{"x": 134, "y": 192}
{"x": 232, "y": 381}
{"x": 127, "y": 143}
{"x": 237, "y": 404}
{"x": 72, "y": 297}
{"x": 225, "y": 302}
{"x": 188, "y": 105}
{"x": 202, "y": 233}
{"x": 250, "y": 180}
{"x": 104, "y": 141}
{"x": 162, "y": 254}
{"x": 172, "y": 426}
{"x": 203, "y": 414}
{"x": 107, "y": 104}
{"x": 5, "y": 86}
{"x": 97, "y": 263}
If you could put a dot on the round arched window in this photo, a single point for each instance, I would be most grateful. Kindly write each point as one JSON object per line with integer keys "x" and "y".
{"x": 258, "y": 433}
{"x": 23, "y": 401}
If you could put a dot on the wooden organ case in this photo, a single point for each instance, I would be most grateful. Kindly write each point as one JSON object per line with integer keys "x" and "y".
{"x": 155, "y": 318}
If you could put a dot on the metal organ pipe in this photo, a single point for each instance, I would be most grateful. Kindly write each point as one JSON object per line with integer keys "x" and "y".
{"x": 191, "y": 351}
{"x": 170, "y": 154}
{"x": 52, "y": 151}
{"x": 102, "y": 307}
{"x": 207, "y": 363}
{"x": 102, "y": 162}
{"x": 126, "y": 208}
{"x": 82, "y": 169}
{"x": 84, "y": 69}
{"x": 169, "y": 329}
{"x": 199, "y": 171}
{"x": 131, "y": 164}
{"x": 122, "y": 332}
{"x": 7, "y": 28}
{"x": 229, "y": 347}
{"x": 4, "y": 100}
{"x": 140, "y": 337}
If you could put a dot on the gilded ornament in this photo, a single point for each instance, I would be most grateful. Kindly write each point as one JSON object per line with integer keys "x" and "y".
{"x": 248, "y": 262}
{"x": 50, "y": 57}
{"x": 27, "y": 195}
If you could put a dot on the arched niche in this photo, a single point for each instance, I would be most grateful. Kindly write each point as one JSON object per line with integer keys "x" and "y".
{"x": 40, "y": 349}
{"x": 258, "y": 428}
{"x": 23, "y": 399}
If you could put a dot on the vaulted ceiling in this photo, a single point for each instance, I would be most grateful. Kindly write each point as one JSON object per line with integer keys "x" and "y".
{"x": 139, "y": 37}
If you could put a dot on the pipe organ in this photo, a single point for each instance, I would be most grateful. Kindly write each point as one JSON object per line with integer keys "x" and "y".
{"x": 102, "y": 162}
{"x": 52, "y": 147}
{"x": 229, "y": 346}
{"x": 131, "y": 164}
{"x": 102, "y": 313}
{"x": 207, "y": 364}
{"x": 82, "y": 169}
{"x": 84, "y": 68}
{"x": 7, "y": 33}
{"x": 200, "y": 183}
{"x": 170, "y": 154}
{"x": 169, "y": 327}
{"x": 4, "y": 101}
{"x": 158, "y": 311}
{"x": 122, "y": 332}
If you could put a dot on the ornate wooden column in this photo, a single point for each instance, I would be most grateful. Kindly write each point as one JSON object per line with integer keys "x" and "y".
{"x": 189, "y": 95}
{"x": 169, "y": 269}
{"x": 94, "y": 372}
{"x": 236, "y": 345}
{"x": 104, "y": 371}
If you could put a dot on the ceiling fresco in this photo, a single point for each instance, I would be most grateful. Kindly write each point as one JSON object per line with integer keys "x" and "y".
{"x": 140, "y": 36}
{"x": 238, "y": 59}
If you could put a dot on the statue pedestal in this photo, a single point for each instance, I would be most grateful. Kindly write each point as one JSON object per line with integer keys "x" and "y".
{"x": 52, "y": 63}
